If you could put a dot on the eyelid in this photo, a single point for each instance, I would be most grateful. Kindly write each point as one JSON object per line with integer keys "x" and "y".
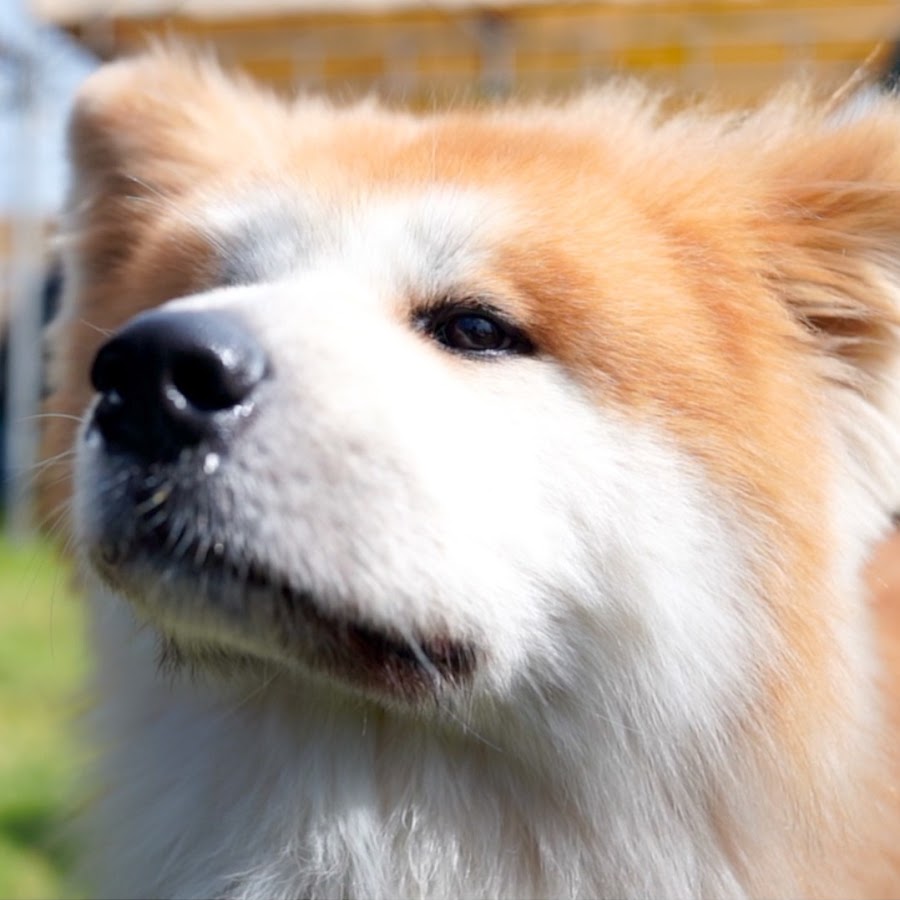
{"x": 432, "y": 315}
{"x": 472, "y": 305}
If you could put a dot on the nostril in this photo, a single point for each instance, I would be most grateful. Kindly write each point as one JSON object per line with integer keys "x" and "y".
{"x": 110, "y": 369}
{"x": 214, "y": 378}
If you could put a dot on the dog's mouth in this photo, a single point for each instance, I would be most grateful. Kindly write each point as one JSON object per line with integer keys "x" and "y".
{"x": 223, "y": 611}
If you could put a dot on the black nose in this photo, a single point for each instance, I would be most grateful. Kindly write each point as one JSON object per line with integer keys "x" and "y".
{"x": 170, "y": 380}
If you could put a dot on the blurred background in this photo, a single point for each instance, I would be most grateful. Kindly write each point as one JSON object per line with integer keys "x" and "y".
{"x": 419, "y": 54}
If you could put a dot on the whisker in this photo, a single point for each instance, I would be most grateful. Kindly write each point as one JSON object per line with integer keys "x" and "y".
{"x": 53, "y": 415}
{"x": 467, "y": 727}
{"x": 154, "y": 501}
{"x": 41, "y": 464}
{"x": 52, "y": 522}
{"x": 106, "y": 332}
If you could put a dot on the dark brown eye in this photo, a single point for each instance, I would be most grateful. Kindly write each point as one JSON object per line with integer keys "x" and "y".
{"x": 473, "y": 333}
{"x": 476, "y": 332}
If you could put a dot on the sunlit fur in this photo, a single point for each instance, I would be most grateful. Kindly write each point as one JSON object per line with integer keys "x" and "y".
{"x": 652, "y": 531}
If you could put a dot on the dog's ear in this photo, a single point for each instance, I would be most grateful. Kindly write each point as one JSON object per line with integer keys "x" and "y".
{"x": 163, "y": 120}
{"x": 144, "y": 133}
{"x": 834, "y": 230}
{"x": 831, "y": 227}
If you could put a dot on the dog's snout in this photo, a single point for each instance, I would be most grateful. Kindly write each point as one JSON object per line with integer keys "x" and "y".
{"x": 171, "y": 379}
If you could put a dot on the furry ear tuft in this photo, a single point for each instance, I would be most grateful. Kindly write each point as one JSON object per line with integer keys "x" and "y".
{"x": 126, "y": 127}
{"x": 835, "y": 238}
{"x": 833, "y": 245}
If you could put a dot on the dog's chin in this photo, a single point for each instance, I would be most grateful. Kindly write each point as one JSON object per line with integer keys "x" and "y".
{"x": 228, "y": 618}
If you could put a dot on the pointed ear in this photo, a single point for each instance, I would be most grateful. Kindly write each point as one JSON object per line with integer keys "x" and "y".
{"x": 832, "y": 233}
{"x": 164, "y": 119}
{"x": 144, "y": 133}
{"x": 834, "y": 236}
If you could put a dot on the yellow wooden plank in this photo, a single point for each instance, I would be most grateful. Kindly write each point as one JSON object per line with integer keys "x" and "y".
{"x": 463, "y": 65}
{"x": 694, "y": 43}
{"x": 650, "y": 57}
{"x": 369, "y": 67}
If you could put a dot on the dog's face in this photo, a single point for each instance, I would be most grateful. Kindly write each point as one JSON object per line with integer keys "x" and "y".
{"x": 479, "y": 407}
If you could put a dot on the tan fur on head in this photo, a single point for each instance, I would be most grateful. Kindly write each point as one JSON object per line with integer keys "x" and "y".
{"x": 646, "y": 524}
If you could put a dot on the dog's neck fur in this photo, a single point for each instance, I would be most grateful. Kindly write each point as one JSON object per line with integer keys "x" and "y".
{"x": 340, "y": 798}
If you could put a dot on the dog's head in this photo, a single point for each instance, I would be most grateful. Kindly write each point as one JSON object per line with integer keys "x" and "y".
{"x": 482, "y": 405}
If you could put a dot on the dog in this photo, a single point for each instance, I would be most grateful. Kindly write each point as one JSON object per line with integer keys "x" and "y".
{"x": 477, "y": 503}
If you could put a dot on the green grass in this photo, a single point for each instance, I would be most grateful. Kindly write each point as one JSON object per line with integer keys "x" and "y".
{"x": 42, "y": 663}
